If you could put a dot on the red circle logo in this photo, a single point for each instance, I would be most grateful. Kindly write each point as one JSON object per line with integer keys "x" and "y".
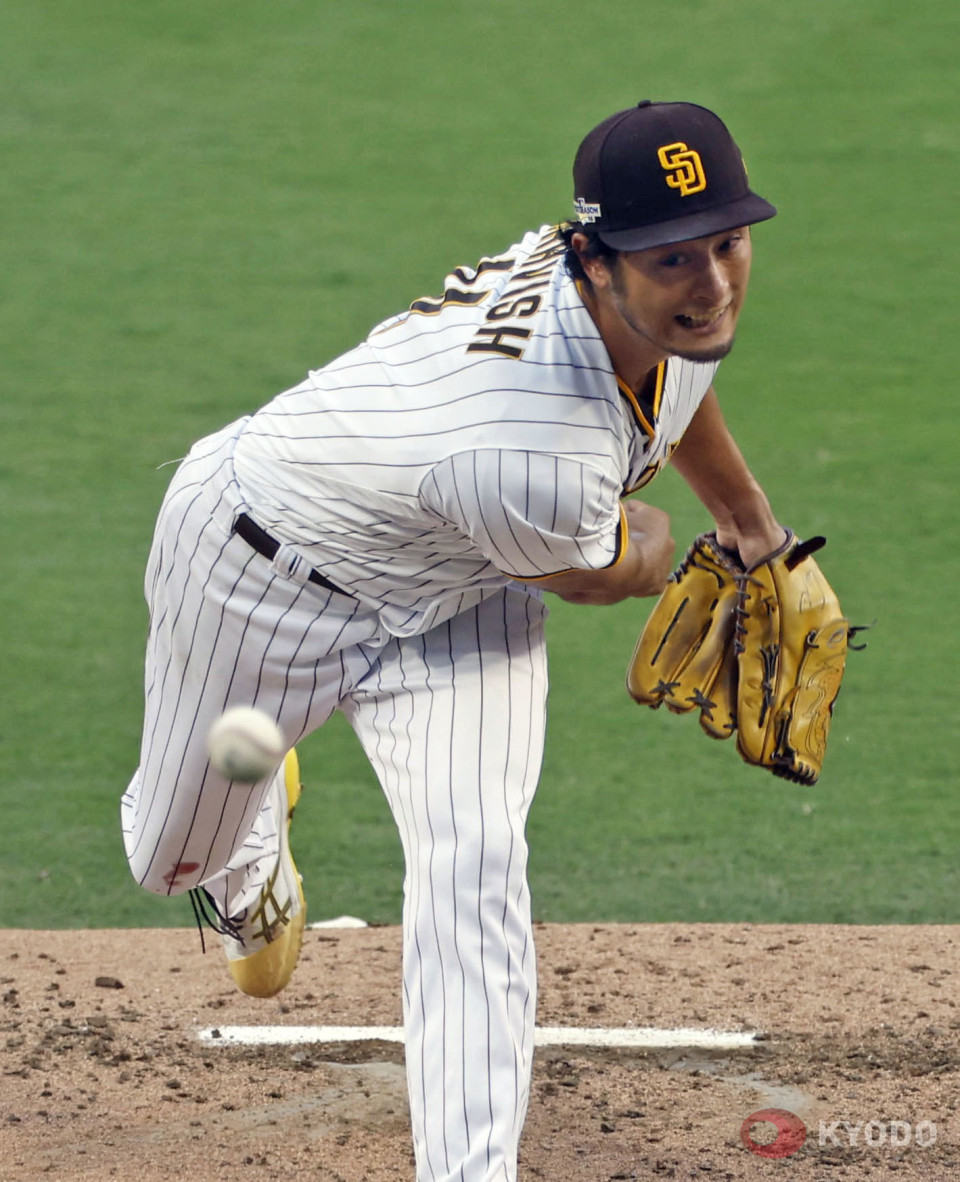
{"x": 791, "y": 1132}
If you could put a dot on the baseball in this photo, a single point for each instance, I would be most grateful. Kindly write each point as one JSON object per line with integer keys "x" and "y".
{"x": 245, "y": 744}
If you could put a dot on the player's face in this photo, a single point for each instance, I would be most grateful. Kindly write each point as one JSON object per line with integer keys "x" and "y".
{"x": 684, "y": 299}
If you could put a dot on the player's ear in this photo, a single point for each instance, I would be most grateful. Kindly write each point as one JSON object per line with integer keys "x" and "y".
{"x": 598, "y": 271}
{"x": 595, "y": 268}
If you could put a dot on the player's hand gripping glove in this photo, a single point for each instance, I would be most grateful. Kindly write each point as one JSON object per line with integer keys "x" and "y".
{"x": 685, "y": 657}
{"x": 791, "y": 642}
{"x": 759, "y": 651}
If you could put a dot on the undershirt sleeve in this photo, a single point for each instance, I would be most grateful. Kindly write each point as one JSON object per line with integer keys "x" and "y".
{"x": 530, "y": 513}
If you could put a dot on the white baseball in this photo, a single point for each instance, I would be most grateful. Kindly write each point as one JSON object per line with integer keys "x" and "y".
{"x": 245, "y": 744}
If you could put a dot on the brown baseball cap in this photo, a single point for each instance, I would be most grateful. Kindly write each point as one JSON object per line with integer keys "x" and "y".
{"x": 659, "y": 173}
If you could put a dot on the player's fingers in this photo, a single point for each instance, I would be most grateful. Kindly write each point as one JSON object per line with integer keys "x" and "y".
{"x": 647, "y": 516}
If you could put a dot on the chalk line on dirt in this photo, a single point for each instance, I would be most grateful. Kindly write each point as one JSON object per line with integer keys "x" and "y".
{"x": 642, "y": 1037}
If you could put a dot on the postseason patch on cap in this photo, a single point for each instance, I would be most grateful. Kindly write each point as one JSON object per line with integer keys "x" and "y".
{"x": 586, "y": 211}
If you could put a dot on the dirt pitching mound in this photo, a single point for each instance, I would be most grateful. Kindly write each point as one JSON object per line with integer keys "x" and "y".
{"x": 105, "y": 1075}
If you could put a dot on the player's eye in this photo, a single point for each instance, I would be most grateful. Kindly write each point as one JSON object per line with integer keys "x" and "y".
{"x": 674, "y": 259}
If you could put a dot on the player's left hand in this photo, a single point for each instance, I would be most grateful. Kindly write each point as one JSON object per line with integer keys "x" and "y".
{"x": 754, "y": 545}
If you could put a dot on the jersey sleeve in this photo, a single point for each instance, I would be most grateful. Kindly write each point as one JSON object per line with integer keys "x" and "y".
{"x": 531, "y": 514}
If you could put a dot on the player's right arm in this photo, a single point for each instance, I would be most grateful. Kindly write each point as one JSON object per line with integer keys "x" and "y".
{"x": 554, "y": 522}
{"x": 642, "y": 568}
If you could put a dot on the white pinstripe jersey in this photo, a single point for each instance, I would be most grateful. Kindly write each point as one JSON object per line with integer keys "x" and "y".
{"x": 479, "y": 436}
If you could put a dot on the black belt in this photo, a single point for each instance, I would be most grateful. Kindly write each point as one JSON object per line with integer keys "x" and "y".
{"x": 262, "y": 542}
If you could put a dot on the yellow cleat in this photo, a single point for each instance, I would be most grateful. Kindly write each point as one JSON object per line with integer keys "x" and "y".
{"x": 263, "y": 944}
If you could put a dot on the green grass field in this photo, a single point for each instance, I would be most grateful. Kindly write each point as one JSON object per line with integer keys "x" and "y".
{"x": 201, "y": 201}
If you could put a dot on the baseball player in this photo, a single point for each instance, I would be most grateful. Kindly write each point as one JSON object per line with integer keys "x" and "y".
{"x": 379, "y": 540}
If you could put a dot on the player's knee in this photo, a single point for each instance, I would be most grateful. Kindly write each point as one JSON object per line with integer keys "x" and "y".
{"x": 165, "y": 878}
{"x": 157, "y": 869}
{"x": 467, "y": 859}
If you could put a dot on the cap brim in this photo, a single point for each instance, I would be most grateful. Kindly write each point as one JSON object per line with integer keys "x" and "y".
{"x": 745, "y": 211}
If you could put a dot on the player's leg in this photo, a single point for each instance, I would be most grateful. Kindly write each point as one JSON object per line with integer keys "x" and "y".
{"x": 226, "y": 628}
{"x": 263, "y": 940}
{"x": 453, "y": 723}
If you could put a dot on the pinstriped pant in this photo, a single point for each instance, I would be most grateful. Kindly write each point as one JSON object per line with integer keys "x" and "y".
{"x": 451, "y": 720}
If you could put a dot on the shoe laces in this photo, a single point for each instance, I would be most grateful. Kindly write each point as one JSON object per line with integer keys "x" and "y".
{"x": 207, "y": 912}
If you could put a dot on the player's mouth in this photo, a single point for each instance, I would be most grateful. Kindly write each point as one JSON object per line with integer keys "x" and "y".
{"x": 705, "y": 322}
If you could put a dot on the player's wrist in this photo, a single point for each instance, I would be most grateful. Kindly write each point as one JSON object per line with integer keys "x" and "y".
{"x": 755, "y": 546}
{"x": 750, "y": 529}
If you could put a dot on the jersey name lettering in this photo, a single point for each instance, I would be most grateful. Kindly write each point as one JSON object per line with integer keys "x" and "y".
{"x": 430, "y": 305}
{"x": 520, "y": 299}
{"x": 492, "y": 341}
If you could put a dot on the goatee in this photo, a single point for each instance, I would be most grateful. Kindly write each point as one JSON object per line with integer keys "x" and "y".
{"x": 717, "y": 353}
